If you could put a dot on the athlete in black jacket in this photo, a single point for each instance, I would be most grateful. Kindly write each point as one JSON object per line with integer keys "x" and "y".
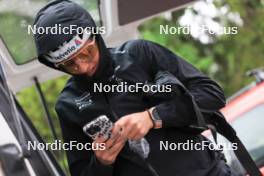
{"x": 136, "y": 115}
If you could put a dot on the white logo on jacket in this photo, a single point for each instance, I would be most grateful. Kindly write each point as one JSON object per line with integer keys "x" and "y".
{"x": 83, "y": 101}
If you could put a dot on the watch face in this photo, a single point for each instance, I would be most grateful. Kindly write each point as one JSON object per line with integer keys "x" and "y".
{"x": 156, "y": 119}
{"x": 155, "y": 114}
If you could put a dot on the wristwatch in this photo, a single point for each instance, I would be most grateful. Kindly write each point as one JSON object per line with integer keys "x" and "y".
{"x": 157, "y": 122}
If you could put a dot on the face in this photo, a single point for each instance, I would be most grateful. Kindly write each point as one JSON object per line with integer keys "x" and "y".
{"x": 83, "y": 62}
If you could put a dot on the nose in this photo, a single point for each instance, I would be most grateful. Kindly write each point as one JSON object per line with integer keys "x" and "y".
{"x": 80, "y": 65}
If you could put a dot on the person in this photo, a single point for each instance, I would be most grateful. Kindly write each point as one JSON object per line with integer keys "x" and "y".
{"x": 86, "y": 57}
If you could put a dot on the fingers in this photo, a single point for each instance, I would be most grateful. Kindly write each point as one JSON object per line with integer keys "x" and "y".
{"x": 108, "y": 156}
{"x": 133, "y": 127}
{"x": 116, "y": 131}
{"x": 128, "y": 125}
{"x": 101, "y": 139}
{"x": 112, "y": 147}
{"x": 116, "y": 135}
{"x": 116, "y": 148}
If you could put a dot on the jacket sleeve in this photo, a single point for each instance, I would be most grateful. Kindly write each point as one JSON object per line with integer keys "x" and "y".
{"x": 179, "y": 112}
{"x": 81, "y": 162}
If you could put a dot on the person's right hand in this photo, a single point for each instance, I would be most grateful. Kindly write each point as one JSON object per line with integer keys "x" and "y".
{"x": 113, "y": 146}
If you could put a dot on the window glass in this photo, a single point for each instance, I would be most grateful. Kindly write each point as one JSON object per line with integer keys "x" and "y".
{"x": 249, "y": 128}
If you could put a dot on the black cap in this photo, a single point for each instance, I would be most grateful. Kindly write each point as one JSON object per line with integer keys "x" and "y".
{"x": 63, "y": 14}
{"x": 66, "y": 13}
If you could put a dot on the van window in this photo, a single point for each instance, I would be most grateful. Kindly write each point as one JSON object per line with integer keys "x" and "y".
{"x": 249, "y": 128}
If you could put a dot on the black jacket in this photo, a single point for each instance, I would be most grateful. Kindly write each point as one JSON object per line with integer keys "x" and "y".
{"x": 139, "y": 61}
{"x": 133, "y": 61}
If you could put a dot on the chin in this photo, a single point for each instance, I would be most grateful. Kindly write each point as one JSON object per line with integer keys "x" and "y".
{"x": 88, "y": 74}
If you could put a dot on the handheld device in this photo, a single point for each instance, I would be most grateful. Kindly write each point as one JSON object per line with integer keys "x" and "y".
{"x": 101, "y": 126}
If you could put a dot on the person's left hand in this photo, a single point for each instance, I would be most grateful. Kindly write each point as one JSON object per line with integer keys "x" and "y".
{"x": 135, "y": 126}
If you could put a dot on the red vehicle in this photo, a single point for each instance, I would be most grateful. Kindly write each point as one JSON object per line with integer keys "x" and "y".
{"x": 245, "y": 112}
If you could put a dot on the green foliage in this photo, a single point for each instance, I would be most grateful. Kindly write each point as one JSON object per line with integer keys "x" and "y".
{"x": 229, "y": 57}
{"x": 239, "y": 53}
{"x": 150, "y": 31}
{"x": 30, "y": 101}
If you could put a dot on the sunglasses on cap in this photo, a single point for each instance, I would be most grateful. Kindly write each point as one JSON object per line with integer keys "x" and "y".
{"x": 84, "y": 54}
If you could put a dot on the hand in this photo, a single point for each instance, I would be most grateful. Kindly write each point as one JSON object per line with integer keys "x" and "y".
{"x": 135, "y": 126}
{"x": 113, "y": 146}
